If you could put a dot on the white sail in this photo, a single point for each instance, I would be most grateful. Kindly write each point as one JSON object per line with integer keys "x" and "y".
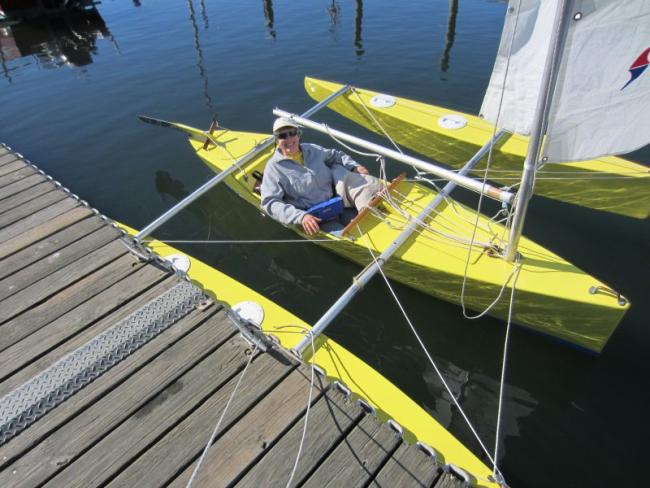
{"x": 601, "y": 102}
{"x": 511, "y": 96}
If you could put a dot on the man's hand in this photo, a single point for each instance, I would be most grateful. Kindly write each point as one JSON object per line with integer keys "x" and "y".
{"x": 361, "y": 170}
{"x": 310, "y": 224}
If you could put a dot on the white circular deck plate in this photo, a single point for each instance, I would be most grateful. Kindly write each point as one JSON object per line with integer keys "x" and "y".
{"x": 452, "y": 121}
{"x": 382, "y": 101}
{"x": 251, "y": 311}
{"x": 179, "y": 261}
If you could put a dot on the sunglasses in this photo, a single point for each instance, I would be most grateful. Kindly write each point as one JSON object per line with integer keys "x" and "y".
{"x": 284, "y": 135}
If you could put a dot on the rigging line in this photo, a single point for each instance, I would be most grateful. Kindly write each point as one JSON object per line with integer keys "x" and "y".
{"x": 354, "y": 90}
{"x": 356, "y": 151}
{"x": 506, "y": 343}
{"x": 574, "y": 172}
{"x": 450, "y": 224}
{"x": 426, "y": 352}
{"x": 311, "y": 389}
{"x": 487, "y": 168}
{"x": 423, "y": 227}
{"x": 279, "y": 241}
{"x": 456, "y": 238}
{"x": 223, "y": 414}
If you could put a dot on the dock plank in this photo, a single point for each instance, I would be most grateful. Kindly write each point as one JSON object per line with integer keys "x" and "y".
{"x": 25, "y": 196}
{"x": 66, "y": 300}
{"x": 72, "y": 253}
{"x": 10, "y": 190}
{"x": 30, "y": 207}
{"x": 37, "y": 218}
{"x": 238, "y": 447}
{"x": 137, "y": 385}
{"x": 58, "y": 331}
{"x": 49, "y": 245}
{"x": 185, "y": 442}
{"x": 354, "y": 461}
{"x": 77, "y": 341}
{"x": 17, "y": 175}
{"x": 7, "y": 156}
{"x": 12, "y": 166}
{"x": 329, "y": 421}
{"x": 408, "y": 467}
{"x": 51, "y": 284}
{"x": 10, "y": 246}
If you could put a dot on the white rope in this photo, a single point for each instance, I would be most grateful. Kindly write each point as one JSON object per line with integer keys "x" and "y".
{"x": 349, "y": 148}
{"x": 426, "y": 352}
{"x": 304, "y": 429}
{"x": 216, "y": 428}
{"x": 506, "y": 343}
{"x": 487, "y": 168}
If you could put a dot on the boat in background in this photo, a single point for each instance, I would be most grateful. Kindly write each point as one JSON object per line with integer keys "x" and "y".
{"x": 609, "y": 183}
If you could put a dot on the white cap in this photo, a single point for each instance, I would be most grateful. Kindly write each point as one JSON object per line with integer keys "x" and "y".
{"x": 283, "y": 122}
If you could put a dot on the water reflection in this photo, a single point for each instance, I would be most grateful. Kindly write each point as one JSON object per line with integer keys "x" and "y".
{"x": 66, "y": 40}
{"x": 199, "y": 53}
{"x": 451, "y": 34}
{"x": 334, "y": 10}
{"x": 268, "y": 16}
{"x": 358, "y": 16}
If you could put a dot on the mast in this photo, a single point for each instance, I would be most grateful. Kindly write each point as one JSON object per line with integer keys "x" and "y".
{"x": 538, "y": 129}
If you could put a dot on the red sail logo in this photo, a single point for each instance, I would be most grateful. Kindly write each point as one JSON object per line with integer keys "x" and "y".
{"x": 638, "y": 66}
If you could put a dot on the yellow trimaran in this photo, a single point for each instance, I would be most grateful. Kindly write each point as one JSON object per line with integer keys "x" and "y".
{"x": 435, "y": 251}
{"x": 552, "y": 295}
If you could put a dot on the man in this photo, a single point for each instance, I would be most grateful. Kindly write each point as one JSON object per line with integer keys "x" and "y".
{"x": 299, "y": 176}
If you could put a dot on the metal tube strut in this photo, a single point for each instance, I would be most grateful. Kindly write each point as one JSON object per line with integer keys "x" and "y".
{"x": 228, "y": 171}
{"x": 365, "y": 276}
{"x": 464, "y": 181}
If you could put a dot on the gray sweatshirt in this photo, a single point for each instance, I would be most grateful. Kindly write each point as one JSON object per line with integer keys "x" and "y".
{"x": 288, "y": 188}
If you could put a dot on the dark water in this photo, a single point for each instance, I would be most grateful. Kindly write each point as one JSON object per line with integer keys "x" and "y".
{"x": 70, "y": 91}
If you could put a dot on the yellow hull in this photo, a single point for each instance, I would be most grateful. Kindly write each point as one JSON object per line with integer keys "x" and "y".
{"x": 610, "y": 184}
{"x": 339, "y": 365}
{"x": 552, "y": 295}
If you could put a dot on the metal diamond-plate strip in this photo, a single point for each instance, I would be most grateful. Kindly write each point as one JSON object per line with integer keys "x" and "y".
{"x": 43, "y": 392}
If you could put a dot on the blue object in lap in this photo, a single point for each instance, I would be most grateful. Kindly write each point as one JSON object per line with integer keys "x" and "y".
{"x": 327, "y": 210}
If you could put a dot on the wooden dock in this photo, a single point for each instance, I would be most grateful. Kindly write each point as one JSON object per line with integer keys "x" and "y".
{"x": 114, "y": 370}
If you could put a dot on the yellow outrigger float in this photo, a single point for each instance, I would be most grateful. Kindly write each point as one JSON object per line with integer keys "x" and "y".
{"x": 554, "y": 297}
{"x": 338, "y": 364}
{"x": 610, "y": 184}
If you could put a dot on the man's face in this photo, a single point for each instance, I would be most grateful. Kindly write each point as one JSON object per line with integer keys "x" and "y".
{"x": 288, "y": 141}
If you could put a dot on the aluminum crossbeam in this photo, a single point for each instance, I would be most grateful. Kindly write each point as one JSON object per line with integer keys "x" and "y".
{"x": 228, "y": 171}
{"x": 459, "y": 179}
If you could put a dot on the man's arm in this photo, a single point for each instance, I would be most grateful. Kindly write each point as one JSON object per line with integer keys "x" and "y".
{"x": 334, "y": 156}
{"x": 272, "y": 199}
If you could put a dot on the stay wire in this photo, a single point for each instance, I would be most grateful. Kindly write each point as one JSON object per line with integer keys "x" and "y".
{"x": 304, "y": 429}
{"x": 502, "y": 383}
{"x": 428, "y": 355}
{"x": 253, "y": 241}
